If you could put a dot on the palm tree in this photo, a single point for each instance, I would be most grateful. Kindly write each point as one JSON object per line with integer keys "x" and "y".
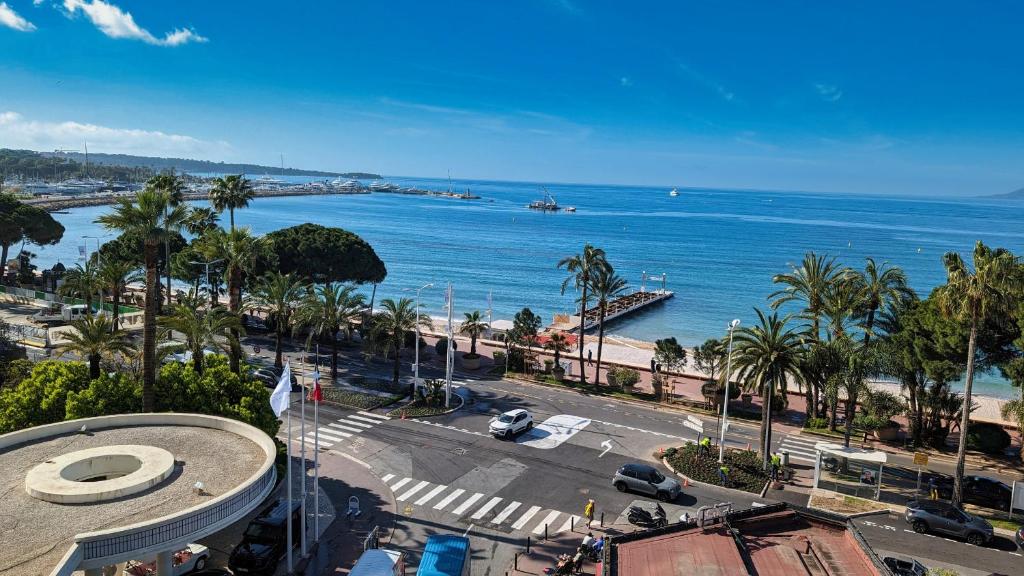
{"x": 93, "y": 338}
{"x": 390, "y": 326}
{"x": 174, "y": 187}
{"x": 326, "y": 310}
{"x": 972, "y": 296}
{"x": 473, "y": 326}
{"x": 881, "y": 287}
{"x": 843, "y": 303}
{"x": 581, "y": 268}
{"x": 202, "y": 327}
{"x": 147, "y": 216}
{"x": 229, "y": 193}
{"x": 557, "y": 343}
{"x": 279, "y": 295}
{"x": 82, "y": 282}
{"x": 606, "y": 285}
{"x": 239, "y": 249}
{"x": 767, "y": 355}
{"x": 808, "y": 284}
{"x": 114, "y": 276}
{"x": 201, "y": 220}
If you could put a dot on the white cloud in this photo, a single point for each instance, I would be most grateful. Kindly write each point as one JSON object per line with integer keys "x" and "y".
{"x": 828, "y": 92}
{"x": 117, "y": 23}
{"x": 625, "y": 81}
{"x": 11, "y": 19}
{"x": 708, "y": 83}
{"x": 18, "y": 132}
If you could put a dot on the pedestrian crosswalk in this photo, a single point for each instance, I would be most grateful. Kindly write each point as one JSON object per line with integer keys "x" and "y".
{"x": 799, "y": 448}
{"x": 345, "y": 428}
{"x": 479, "y": 507}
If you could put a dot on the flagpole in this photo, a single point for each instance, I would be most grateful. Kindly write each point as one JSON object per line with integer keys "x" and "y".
{"x": 450, "y": 356}
{"x": 303, "y": 432}
{"x": 316, "y": 453}
{"x": 288, "y": 451}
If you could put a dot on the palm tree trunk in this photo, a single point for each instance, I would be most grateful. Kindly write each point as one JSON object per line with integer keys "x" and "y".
{"x": 334, "y": 353}
{"x": 397, "y": 366}
{"x": 965, "y": 418}
{"x": 231, "y": 211}
{"x": 833, "y": 409}
{"x": 3, "y": 258}
{"x": 915, "y": 415}
{"x": 868, "y": 325}
{"x": 766, "y": 416}
{"x": 115, "y": 314}
{"x": 583, "y": 323}
{"x": 277, "y": 345}
{"x": 811, "y": 411}
{"x": 600, "y": 345}
{"x": 94, "y": 366}
{"x": 235, "y": 304}
{"x": 149, "y": 328}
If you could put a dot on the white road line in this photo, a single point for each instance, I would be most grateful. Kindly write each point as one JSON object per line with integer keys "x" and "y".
{"x": 400, "y": 483}
{"x": 412, "y": 491}
{"x": 312, "y": 442}
{"x": 426, "y": 497}
{"x": 335, "y": 433}
{"x": 387, "y": 477}
{"x": 486, "y": 508}
{"x": 1015, "y": 554}
{"x": 364, "y": 419}
{"x": 569, "y": 523}
{"x": 363, "y": 425}
{"x": 349, "y": 428}
{"x": 448, "y": 499}
{"x": 329, "y": 438}
{"x": 525, "y": 517}
{"x": 547, "y": 521}
{"x": 504, "y": 514}
{"x": 372, "y": 415}
{"x": 465, "y": 505}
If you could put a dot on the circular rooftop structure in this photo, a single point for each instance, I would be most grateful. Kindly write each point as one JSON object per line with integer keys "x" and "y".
{"x": 94, "y": 492}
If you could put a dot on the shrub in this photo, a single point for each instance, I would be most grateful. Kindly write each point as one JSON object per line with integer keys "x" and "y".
{"x": 41, "y": 397}
{"x": 442, "y": 346}
{"x": 745, "y": 472}
{"x": 988, "y": 438}
{"x": 670, "y": 452}
{"x": 625, "y": 376}
{"x": 816, "y": 423}
{"x": 117, "y": 394}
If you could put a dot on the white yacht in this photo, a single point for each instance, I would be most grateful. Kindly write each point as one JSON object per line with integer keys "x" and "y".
{"x": 674, "y": 192}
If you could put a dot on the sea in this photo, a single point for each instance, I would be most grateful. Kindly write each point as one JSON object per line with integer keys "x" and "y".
{"x": 717, "y": 249}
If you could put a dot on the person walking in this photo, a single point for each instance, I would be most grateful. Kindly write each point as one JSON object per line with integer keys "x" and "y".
{"x": 590, "y": 356}
{"x": 933, "y": 490}
{"x": 588, "y": 512}
{"x": 776, "y": 465}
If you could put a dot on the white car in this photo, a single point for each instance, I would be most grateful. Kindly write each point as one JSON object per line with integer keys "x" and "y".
{"x": 192, "y": 557}
{"x": 510, "y": 423}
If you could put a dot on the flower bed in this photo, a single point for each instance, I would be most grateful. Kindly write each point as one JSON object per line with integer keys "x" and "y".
{"x": 358, "y": 399}
{"x": 745, "y": 471}
{"x": 378, "y": 384}
{"x": 421, "y": 407}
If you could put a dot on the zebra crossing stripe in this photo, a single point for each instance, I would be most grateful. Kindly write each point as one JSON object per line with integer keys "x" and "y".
{"x": 486, "y": 508}
{"x": 364, "y": 419}
{"x": 349, "y": 428}
{"x": 504, "y": 514}
{"x": 469, "y": 502}
{"x": 400, "y": 483}
{"x": 387, "y": 477}
{"x": 372, "y": 415}
{"x": 429, "y": 495}
{"x": 412, "y": 491}
{"x": 448, "y": 499}
{"x": 312, "y": 442}
{"x": 335, "y": 432}
{"x": 548, "y": 520}
{"x": 362, "y": 425}
{"x": 526, "y": 517}
{"x": 330, "y": 434}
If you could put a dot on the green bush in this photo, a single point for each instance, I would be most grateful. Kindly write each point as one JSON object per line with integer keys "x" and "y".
{"x": 669, "y": 452}
{"x": 816, "y": 423}
{"x": 41, "y": 398}
{"x": 108, "y": 394}
{"x": 987, "y": 438}
{"x": 625, "y": 376}
{"x": 442, "y": 346}
{"x": 745, "y": 472}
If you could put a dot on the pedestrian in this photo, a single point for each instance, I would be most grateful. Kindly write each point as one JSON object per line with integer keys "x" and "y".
{"x": 590, "y": 356}
{"x": 776, "y": 465}
{"x": 653, "y": 365}
{"x": 588, "y": 512}
{"x": 933, "y": 490}
{"x": 723, "y": 474}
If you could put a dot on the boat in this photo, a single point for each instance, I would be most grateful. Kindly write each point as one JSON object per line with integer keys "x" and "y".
{"x": 674, "y": 192}
{"x": 547, "y": 204}
{"x": 379, "y": 186}
{"x": 570, "y": 208}
{"x": 347, "y": 184}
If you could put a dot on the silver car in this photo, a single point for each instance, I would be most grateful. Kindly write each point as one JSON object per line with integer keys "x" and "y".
{"x": 647, "y": 480}
{"x": 936, "y": 516}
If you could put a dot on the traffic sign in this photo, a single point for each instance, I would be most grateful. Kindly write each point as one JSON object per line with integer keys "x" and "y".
{"x": 697, "y": 427}
{"x": 694, "y": 419}
{"x": 920, "y": 458}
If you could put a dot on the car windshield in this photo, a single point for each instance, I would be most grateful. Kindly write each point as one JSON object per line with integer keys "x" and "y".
{"x": 657, "y": 477}
{"x": 506, "y": 418}
{"x": 260, "y": 533}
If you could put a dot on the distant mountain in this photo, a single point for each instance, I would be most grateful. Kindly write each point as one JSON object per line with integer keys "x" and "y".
{"x": 1015, "y": 195}
{"x": 188, "y": 165}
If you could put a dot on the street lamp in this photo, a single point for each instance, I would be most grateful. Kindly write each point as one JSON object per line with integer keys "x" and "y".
{"x": 416, "y": 366}
{"x": 207, "y": 265}
{"x": 725, "y": 400}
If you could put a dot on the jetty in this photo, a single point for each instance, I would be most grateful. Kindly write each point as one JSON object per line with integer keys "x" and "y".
{"x": 618, "y": 308}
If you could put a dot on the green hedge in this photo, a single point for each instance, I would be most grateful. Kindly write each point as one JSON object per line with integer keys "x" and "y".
{"x": 987, "y": 438}
{"x": 745, "y": 471}
{"x": 358, "y": 399}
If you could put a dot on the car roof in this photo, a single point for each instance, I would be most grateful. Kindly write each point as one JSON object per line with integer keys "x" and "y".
{"x": 516, "y": 412}
{"x": 638, "y": 467}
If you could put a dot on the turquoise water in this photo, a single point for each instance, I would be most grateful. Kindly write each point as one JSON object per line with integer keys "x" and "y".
{"x": 719, "y": 248}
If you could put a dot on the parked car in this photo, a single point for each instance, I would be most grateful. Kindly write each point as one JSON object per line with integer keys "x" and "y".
{"x": 270, "y": 376}
{"x": 980, "y": 491}
{"x": 508, "y": 424}
{"x": 184, "y": 561}
{"x": 648, "y": 480}
{"x": 942, "y": 517}
{"x": 265, "y": 540}
{"x": 905, "y": 567}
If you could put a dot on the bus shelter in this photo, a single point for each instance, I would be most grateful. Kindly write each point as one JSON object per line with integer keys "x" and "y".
{"x": 845, "y": 469}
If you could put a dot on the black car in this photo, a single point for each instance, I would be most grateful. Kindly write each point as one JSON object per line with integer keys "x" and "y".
{"x": 905, "y": 566}
{"x": 270, "y": 376}
{"x": 265, "y": 540}
{"x": 980, "y": 491}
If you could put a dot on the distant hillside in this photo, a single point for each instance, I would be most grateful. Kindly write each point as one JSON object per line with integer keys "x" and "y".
{"x": 188, "y": 165}
{"x": 1015, "y": 195}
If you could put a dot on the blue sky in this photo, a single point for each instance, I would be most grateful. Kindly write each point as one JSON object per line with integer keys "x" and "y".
{"x": 916, "y": 98}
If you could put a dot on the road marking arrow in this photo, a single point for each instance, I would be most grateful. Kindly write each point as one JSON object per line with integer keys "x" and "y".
{"x": 607, "y": 445}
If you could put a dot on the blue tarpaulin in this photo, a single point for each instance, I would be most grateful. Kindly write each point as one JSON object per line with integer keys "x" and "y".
{"x": 445, "y": 555}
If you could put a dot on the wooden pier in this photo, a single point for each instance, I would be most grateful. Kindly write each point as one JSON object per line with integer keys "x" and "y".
{"x": 617, "y": 308}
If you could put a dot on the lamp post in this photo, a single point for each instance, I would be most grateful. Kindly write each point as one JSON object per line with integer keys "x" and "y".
{"x": 207, "y": 265}
{"x": 725, "y": 399}
{"x": 416, "y": 365}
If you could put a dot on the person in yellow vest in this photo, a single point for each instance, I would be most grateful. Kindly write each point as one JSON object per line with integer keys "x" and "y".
{"x": 704, "y": 446}
{"x": 588, "y": 512}
{"x": 776, "y": 465}
{"x": 723, "y": 474}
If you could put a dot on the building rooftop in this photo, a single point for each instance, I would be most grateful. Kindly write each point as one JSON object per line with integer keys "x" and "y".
{"x": 770, "y": 541}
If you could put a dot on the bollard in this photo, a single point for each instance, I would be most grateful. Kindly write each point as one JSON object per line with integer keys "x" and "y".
{"x": 545, "y": 532}
{"x": 602, "y": 519}
{"x": 527, "y": 544}
{"x": 572, "y": 524}
{"x": 515, "y": 561}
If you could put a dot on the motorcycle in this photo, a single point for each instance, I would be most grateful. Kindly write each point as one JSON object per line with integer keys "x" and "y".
{"x": 639, "y": 516}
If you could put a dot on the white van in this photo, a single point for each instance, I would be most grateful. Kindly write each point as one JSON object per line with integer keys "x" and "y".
{"x": 379, "y": 562}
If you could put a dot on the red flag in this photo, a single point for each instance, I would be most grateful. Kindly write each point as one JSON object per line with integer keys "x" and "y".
{"x": 316, "y": 394}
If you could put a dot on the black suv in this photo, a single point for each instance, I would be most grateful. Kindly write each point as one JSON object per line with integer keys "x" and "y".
{"x": 265, "y": 540}
{"x": 980, "y": 491}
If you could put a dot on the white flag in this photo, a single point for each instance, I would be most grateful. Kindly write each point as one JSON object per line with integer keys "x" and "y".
{"x": 281, "y": 396}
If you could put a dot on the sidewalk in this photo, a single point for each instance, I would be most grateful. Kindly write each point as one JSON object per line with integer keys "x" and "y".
{"x": 544, "y": 555}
